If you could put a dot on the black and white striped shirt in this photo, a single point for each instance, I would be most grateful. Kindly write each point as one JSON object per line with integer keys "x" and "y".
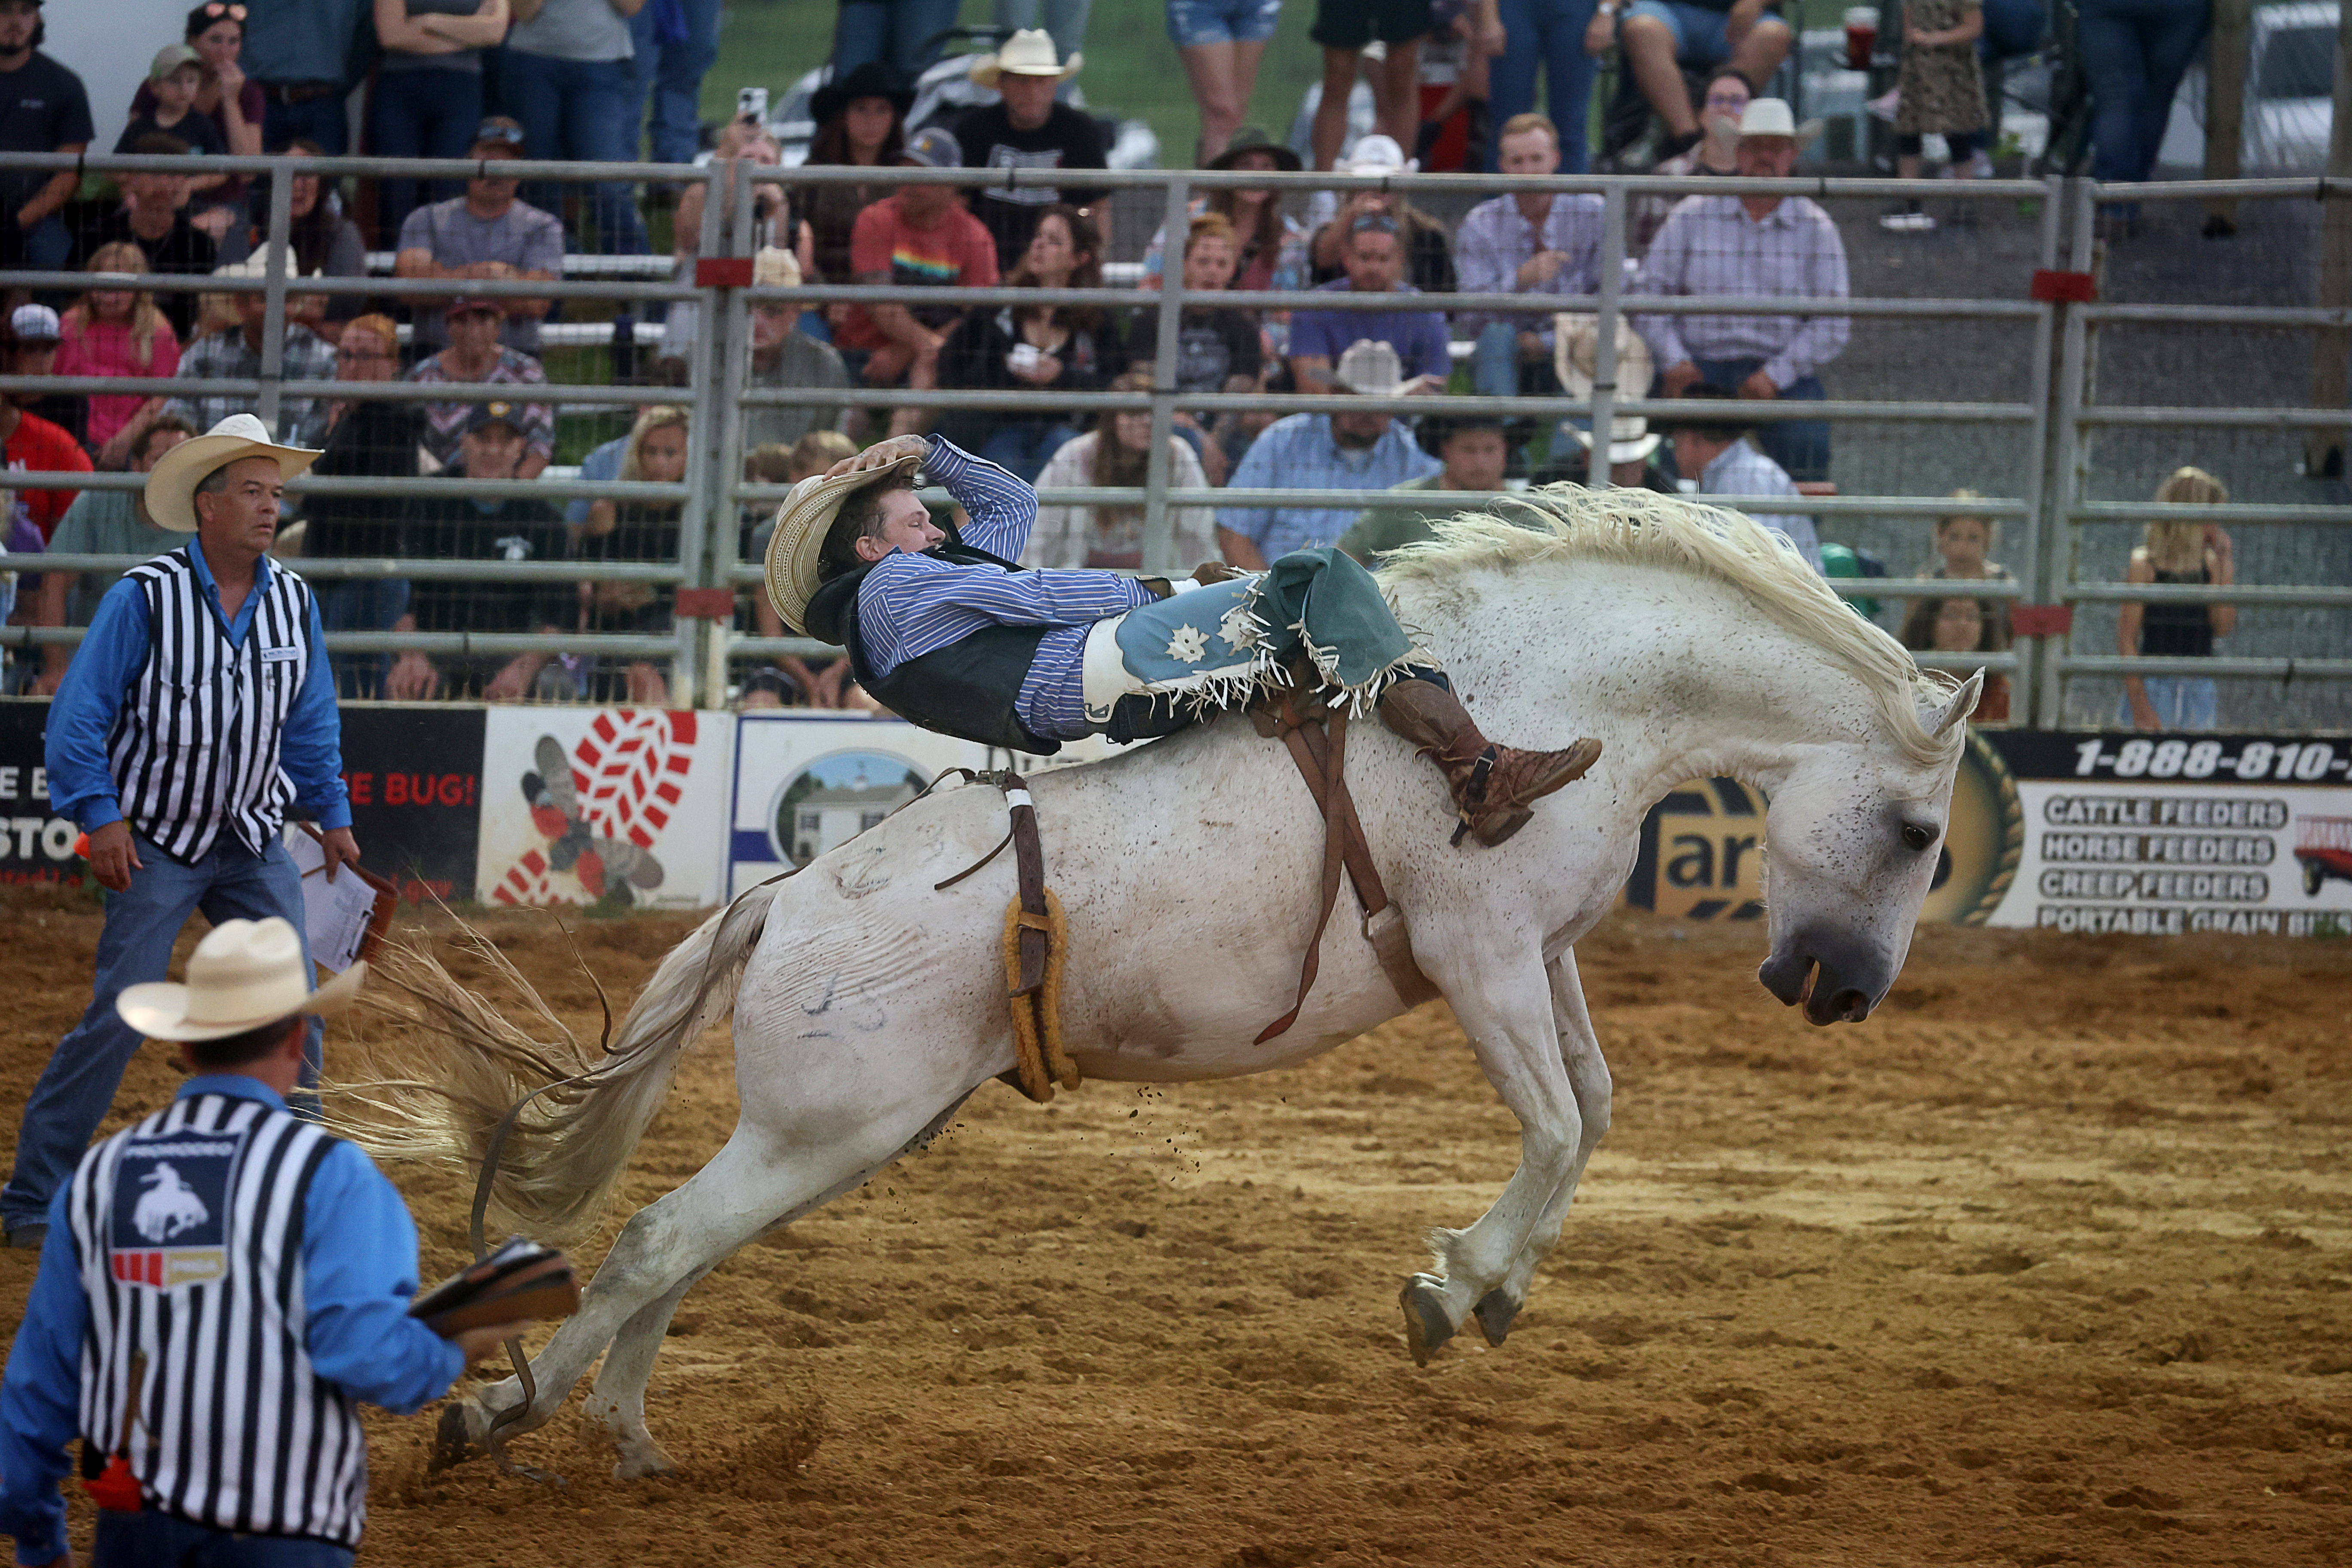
{"x": 188, "y": 1232}
{"x": 194, "y": 747}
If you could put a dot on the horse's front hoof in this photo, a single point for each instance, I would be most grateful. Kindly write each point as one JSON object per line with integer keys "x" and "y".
{"x": 1495, "y": 1311}
{"x": 1427, "y": 1326}
{"x": 459, "y": 1436}
{"x": 640, "y": 1460}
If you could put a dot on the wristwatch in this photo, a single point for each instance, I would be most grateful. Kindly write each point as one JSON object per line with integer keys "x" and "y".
{"x": 1607, "y": 7}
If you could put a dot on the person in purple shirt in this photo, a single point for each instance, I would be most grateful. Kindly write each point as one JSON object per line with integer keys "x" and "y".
{"x": 1374, "y": 258}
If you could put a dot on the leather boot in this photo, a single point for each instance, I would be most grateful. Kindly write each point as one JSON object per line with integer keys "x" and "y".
{"x": 1492, "y": 785}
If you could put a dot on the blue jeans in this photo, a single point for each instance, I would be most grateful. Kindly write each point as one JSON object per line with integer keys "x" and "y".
{"x": 2135, "y": 52}
{"x": 1023, "y": 447}
{"x": 426, "y": 113}
{"x": 2188, "y": 702}
{"x": 322, "y": 119}
{"x": 361, "y": 604}
{"x": 672, "y": 70}
{"x": 898, "y": 31}
{"x": 1192, "y": 22}
{"x": 1496, "y": 370}
{"x": 76, "y": 1089}
{"x": 151, "y": 1539}
{"x": 580, "y": 110}
{"x": 1701, "y": 39}
{"x": 1549, "y": 34}
{"x": 44, "y": 247}
{"x": 1799, "y": 446}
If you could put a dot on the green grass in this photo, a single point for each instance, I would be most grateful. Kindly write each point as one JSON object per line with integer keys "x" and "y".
{"x": 1131, "y": 67}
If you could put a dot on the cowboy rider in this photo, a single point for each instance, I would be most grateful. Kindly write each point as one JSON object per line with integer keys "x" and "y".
{"x": 945, "y": 630}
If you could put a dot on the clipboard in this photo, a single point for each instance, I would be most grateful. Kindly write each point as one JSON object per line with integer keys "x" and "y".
{"x": 346, "y": 921}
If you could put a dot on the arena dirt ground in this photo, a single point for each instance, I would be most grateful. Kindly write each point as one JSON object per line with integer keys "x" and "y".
{"x": 2047, "y": 1263}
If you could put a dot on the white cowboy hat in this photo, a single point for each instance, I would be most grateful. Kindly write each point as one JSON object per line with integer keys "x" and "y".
{"x": 1631, "y": 439}
{"x": 244, "y": 975}
{"x": 1575, "y": 350}
{"x": 776, "y": 268}
{"x": 1369, "y": 369}
{"x": 801, "y": 524}
{"x": 1029, "y": 52}
{"x": 1375, "y": 154}
{"x": 1772, "y": 117}
{"x": 171, "y": 491}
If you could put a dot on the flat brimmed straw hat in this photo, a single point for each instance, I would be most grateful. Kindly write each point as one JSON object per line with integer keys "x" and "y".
{"x": 1029, "y": 52}
{"x": 1575, "y": 351}
{"x": 245, "y": 975}
{"x": 1631, "y": 439}
{"x": 171, "y": 490}
{"x": 1773, "y": 117}
{"x": 801, "y": 524}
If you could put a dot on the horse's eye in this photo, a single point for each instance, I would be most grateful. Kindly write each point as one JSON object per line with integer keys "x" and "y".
{"x": 1916, "y": 838}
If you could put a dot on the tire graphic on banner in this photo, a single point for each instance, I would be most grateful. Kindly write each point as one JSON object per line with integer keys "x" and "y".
{"x": 613, "y": 805}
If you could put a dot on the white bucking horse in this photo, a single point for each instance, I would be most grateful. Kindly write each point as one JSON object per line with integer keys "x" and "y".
{"x": 867, "y": 1005}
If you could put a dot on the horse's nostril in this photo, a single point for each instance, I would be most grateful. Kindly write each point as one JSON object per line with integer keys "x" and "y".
{"x": 1851, "y": 1006}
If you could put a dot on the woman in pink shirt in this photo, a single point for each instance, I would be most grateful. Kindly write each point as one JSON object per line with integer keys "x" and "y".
{"x": 117, "y": 331}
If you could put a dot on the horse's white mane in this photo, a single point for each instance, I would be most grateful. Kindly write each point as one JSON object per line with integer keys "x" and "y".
{"x": 1567, "y": 522}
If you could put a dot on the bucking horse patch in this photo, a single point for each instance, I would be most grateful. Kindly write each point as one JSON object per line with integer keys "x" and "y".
{"x": 170, "y": 1220}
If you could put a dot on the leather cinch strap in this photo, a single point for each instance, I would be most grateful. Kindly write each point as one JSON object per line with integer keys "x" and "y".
{"x": 1322, "y": 762}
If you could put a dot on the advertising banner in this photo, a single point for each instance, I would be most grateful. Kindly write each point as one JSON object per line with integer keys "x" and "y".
{"x": 2159, "y": 835}
{"x": 2176, "y": 834}
{"x": 618, "y": 805}
{"x": 35, "y": 843}
{"x": 416, "y": 779}
{"x": 805, "y": 782}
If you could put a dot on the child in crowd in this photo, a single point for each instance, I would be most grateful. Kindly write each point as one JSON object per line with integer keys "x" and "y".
{"x": 1964, "y": 546}
{"x": 1962, "y": 625}
{"x": 822, "y": 682}
{"x": 635, "y": 531}
{"x": 175, "y": 77}
{"x": 1942, "y": 91}
{"x": 2192, "y": 553}
{"x": 117, "y": 331}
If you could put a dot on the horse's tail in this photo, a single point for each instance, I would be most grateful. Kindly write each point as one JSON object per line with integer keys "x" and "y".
{"x": 454, "y": 1069}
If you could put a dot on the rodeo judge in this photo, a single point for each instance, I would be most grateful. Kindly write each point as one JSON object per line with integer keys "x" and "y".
{"x": 945, "y": 630}
{"x": 216, "y": 1389}
{"x": 198, "y": 705}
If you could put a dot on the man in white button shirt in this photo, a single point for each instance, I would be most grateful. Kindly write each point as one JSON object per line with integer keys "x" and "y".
{"x": 1711, "y": 446}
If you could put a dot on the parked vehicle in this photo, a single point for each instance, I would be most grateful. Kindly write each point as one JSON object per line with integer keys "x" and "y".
{"x": 2290, "y": 79}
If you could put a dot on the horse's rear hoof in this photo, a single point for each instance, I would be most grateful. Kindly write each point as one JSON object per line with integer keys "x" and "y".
{"x": 1495, "y": 1311}
{"x": 1426, "y": 1325}
{"x": 456, "y": 1440}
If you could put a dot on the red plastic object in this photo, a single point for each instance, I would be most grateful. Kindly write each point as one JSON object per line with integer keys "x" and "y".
{"x": 2065, "y": 288}
{"x": 708, "y": 604}
{"x": 116, "y": 1487}
{"x": 2041, "y": 620}
{"x": 81, "y": 847}
{"x": 722, "y": 272}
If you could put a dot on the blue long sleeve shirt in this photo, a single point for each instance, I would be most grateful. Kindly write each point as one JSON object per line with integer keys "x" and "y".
{"x": 89, "y": 698}
{"x": 911, "y": 605}
{"x": 359, "y": 1275}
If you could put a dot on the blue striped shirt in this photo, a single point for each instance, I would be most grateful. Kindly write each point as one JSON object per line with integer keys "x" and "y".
{"x": 1299, "y": 453}
{"x": 911, "y": 605}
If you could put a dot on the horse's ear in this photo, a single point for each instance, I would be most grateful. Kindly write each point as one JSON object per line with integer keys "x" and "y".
{"x": 1962, "y": 703}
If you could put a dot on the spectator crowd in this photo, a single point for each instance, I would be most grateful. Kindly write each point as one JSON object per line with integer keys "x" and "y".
{"x": 605, "y": 80}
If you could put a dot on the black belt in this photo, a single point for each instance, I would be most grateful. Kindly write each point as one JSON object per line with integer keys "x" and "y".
{"x": 290, "y": 93}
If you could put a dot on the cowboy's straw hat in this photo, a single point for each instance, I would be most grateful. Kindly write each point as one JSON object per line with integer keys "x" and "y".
{"x": 244, "y": 975}
{"x": 171, "y": 491}
{"x": 1375, "y": 154}
{"x": 802, "y": 523}
{"x": 1575, "y": 350}
{"x": 1368, "y": 368}
{"x": 1029, "y": 52}
{"x": 1773, "y": 117}
{"x": 1631, "y": 439}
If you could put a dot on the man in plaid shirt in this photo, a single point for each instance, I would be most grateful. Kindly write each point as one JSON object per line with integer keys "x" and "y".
{"x": 1783, "y": 247}
{"x": 237, "y": 356}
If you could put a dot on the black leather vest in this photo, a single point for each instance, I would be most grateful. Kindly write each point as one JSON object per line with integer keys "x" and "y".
{"x": 967, "y": 689}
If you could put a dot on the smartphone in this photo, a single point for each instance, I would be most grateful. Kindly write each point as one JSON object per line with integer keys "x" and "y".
{"x": 1024, "y": 358}
{"x": 751, "y": 103}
